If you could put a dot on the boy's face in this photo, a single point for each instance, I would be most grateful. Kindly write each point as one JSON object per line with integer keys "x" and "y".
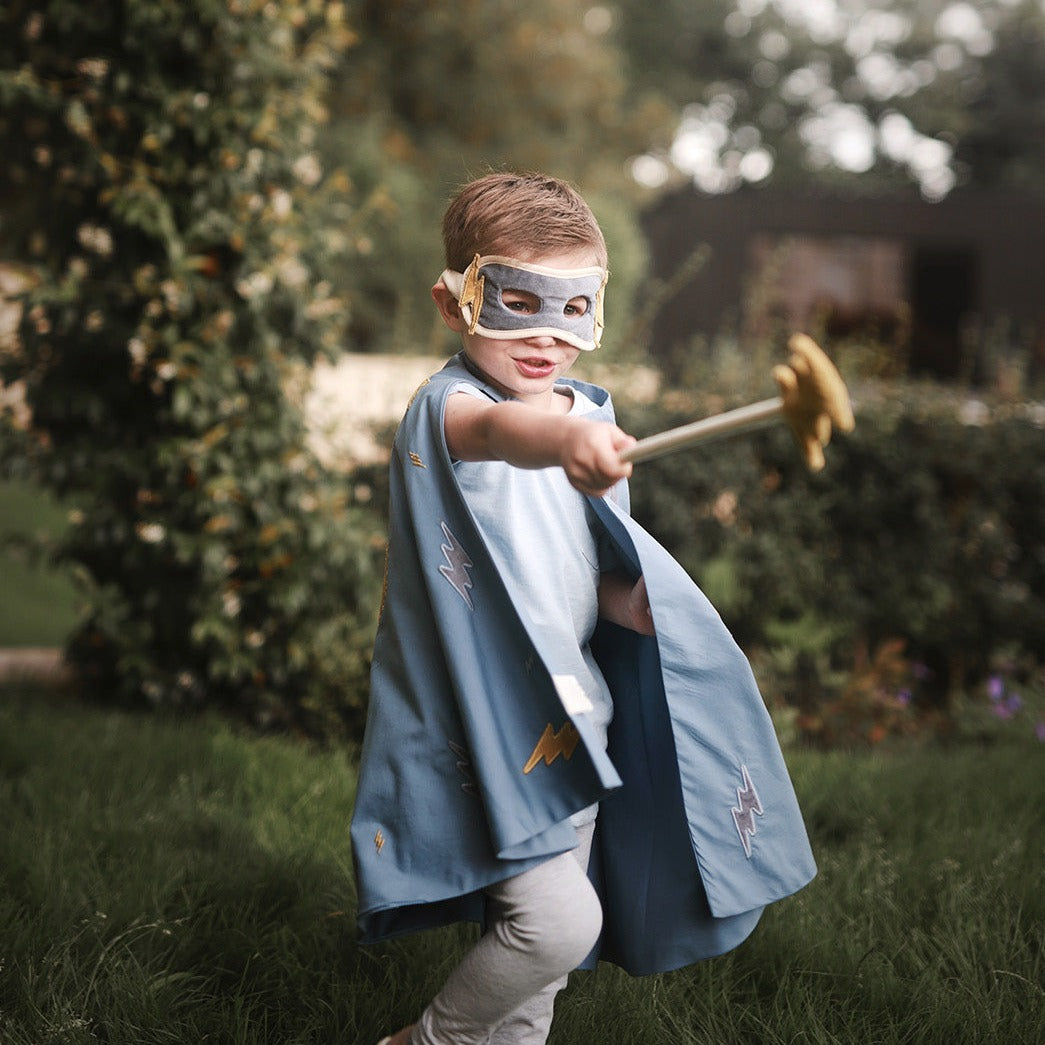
{"x": 524, "y": 367}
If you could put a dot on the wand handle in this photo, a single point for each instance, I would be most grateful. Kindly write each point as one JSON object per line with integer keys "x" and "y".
{"x": 743, "y": 419}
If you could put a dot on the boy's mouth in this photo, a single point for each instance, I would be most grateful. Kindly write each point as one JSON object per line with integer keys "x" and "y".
{"x": 535, "y": 366}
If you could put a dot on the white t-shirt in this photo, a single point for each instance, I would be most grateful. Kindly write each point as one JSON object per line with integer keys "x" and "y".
{"x": 540, "y": 532}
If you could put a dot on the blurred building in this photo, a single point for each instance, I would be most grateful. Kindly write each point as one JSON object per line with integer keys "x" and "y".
{"x": 923, "y": 278}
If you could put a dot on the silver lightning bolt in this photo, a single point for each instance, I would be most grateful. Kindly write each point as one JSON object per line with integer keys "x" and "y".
{"x": 457, "y": 565}
{"x": 743, "y": 814}
{"x": 464, "y": 766}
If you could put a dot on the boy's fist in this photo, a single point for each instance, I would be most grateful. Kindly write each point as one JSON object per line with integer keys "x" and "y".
{"x": 591, "y": 456}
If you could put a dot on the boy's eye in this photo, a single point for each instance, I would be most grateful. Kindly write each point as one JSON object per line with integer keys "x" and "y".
{"x": 575, "y": 307}
{"x": 521, "y": 301}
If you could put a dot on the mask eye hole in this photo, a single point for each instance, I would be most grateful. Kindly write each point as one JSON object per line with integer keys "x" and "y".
{"x": 576, "y": 307}
{"x": 521, "y": 301}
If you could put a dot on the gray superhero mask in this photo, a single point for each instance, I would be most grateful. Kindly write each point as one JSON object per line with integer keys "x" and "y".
{"x": 479, "y": 288}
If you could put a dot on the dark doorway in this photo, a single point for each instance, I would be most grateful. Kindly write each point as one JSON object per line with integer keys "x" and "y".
{"x": 943, "y": 294}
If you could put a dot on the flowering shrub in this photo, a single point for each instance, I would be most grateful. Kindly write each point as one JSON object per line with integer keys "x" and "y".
{"x": 163, "y": 190}
{"x": 1010, "y": 702}
{"x": 873, "y": 699}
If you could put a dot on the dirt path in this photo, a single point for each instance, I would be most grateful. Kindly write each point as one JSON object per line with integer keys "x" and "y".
{"x": 34, "y": 664}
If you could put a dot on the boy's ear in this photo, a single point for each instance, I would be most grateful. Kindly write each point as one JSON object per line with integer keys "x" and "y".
{"x": 448, "y": 308}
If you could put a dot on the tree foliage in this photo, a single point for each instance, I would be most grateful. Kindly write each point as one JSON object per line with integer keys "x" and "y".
{"x": 162, "y": 182}
{"x": 871, "y": 94}
{"x": 1003, "y": 144}
{"x": 439, "y": 93}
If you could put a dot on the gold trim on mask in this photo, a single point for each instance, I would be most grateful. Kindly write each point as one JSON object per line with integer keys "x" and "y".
{"x": 472, "y": 292}
{"x": 600, "y": 315}
{"x": 468, "y": 289}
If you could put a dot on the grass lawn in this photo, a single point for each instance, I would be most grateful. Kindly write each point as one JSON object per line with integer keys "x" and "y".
{"x": 166, "y": 881}
{"x": 37, "y": 599}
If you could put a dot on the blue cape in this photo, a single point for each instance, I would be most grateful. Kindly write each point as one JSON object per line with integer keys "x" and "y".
{"x": 476, "y": 755}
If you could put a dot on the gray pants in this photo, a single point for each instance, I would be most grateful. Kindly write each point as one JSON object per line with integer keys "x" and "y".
{"x": 542, "y": 924}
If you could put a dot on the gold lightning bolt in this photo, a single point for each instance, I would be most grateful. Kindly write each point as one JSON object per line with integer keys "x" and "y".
{"x": 379, "y": 840}
{"x": 415, "y": 460}
{"x": 553, "y": 744}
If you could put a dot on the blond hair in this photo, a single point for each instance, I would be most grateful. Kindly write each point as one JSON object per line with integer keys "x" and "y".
{"x": 513, "y": 214}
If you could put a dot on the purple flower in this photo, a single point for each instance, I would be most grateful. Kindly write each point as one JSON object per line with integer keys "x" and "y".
{"x": 1039, "y": 730}
{"x": 904, "y": 697}
{"x": 995, "y": 688}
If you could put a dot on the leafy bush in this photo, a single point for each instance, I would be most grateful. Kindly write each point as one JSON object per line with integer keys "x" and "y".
{"x": 872, "y": 594}
{"x": 162, "y": 189}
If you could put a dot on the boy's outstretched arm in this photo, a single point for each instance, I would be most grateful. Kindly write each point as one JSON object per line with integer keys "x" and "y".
{"x": 527, "y": 437}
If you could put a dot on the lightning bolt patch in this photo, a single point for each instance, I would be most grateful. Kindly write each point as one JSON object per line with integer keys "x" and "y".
{"x": 743, "y": 814}
{"x": 415, "y": 460}
{"x": 457, "y": 565}
{"x": 464, "y": 766}
{"x": 417, "y": 390}
{"x": 552, "y": 745}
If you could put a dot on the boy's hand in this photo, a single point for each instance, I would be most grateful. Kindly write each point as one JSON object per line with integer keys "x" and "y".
{"x": 640, "y": 616}
{"x": 625, "y": 603}
{"x": 590, "y": 455}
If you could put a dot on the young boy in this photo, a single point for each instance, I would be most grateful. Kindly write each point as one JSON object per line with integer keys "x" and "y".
{"x": 563, "y": 743}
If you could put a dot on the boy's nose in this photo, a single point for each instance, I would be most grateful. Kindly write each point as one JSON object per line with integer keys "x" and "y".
{"x": 541, "y": 340}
